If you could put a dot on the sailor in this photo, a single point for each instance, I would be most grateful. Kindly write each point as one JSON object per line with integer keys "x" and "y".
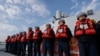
{"x": 63, "y": 35}
{"x": 48, "y": 40}
{"x": 85, "y": 33}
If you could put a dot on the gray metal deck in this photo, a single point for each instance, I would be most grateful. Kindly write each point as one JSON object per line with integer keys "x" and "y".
{"x": 2, "y": 53}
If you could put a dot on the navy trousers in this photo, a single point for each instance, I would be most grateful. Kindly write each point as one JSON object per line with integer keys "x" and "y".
{"x": 7, "y": 45}
{"x": 19, "y": 49}
{"x": 37, "y": 51}
{"x": 63, "y": 47}
{"x": 30, "y": 45}
{"x": 23, "y": 49}
{"x": 87, "y": 49}
{"x": 48, "y": 46}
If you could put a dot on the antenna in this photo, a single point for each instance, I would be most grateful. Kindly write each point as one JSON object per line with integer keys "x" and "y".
{"x": 90, "y": 12}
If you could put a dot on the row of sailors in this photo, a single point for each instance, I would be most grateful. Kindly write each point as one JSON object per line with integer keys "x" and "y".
{"x": 85, "y": 33}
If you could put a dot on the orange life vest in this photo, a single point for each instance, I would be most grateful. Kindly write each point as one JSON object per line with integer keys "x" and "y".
{"x": 7, "y": 40}
{"x": 88, "y": 31}
{"x": 30, "y": 35}
{"x": 48, "y": 33}
{"x": 62, "y": 32}
{"x": 37, "y": 35}
{"x": 18, "y": 38}
{"x": 23, "y": 39}
{"x": 12, "y": 40}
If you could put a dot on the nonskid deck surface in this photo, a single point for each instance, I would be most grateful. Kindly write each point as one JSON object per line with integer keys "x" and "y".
{"x": 3, "y": 53}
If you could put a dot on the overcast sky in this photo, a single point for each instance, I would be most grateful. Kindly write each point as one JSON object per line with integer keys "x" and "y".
{"x": 18, "y": 15}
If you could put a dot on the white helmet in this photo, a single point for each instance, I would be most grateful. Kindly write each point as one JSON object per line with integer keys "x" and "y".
{"x": 81, "y": 14}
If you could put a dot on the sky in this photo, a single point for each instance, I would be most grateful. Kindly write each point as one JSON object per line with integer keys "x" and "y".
{"x": 18, "y": 15}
